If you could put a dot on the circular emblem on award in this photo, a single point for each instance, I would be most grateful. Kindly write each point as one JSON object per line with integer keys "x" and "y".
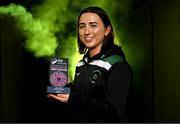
{"x": 58, "y": 78}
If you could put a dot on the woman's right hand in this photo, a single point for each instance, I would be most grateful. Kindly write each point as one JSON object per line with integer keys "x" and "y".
{"x": 60, "y": 97}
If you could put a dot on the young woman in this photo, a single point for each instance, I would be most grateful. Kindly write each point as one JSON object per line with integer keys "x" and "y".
{"x": 100, "y": 89}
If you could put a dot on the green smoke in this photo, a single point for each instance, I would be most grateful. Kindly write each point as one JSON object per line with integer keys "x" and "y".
{"x": 40, "y": 37}
{"x": 59, "y": 15}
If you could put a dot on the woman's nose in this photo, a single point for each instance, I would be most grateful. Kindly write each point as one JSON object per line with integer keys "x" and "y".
{"x": 87, "y": 31}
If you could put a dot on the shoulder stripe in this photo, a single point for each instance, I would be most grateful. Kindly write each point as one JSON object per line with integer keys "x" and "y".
{"x": 80, "y": 64}
{"x": 101, "y": 64}
{"x": 113, "y": 59}
{"x": 105, "y": 63}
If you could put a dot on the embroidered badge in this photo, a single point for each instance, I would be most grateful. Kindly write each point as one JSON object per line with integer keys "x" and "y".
{"x": 95, "y": 76}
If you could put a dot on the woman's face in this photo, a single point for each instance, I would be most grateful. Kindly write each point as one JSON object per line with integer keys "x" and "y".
{"x": 92, "y": 31}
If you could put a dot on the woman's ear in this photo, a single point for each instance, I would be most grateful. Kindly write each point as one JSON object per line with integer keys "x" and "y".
{"x": 108, "y": 29}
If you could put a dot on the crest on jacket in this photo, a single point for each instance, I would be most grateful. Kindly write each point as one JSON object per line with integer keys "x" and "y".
{"x": 95, "y": 76}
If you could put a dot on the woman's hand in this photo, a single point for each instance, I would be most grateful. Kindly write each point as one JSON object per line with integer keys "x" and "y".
{"x": 59, "y": 97}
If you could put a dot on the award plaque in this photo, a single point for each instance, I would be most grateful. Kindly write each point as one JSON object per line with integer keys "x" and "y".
{"x": 58, "y": 76}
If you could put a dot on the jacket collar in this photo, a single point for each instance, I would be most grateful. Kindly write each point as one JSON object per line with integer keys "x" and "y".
{"x": 88, "y": 59}
{"x": 113, "y": 50}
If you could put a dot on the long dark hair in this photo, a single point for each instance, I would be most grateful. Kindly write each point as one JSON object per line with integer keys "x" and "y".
{"x": 109, "y": 39}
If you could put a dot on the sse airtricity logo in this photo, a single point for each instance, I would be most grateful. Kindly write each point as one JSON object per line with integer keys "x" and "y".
{"x": 58, "y": 78}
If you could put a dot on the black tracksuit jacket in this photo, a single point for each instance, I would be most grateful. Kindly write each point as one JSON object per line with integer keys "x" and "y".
{"x": 100, "y": 88}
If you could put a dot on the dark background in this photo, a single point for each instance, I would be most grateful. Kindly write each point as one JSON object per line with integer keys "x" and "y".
{"x": 155, "y": 26}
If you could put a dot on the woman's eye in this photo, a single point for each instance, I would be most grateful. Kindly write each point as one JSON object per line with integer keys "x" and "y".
{"x": 81, "y": 26}
{"x": 93, "y": 26}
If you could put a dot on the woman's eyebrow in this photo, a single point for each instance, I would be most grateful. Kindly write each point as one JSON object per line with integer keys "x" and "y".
{"x": 93, "y": 23}
{"x": 82, "y": 23}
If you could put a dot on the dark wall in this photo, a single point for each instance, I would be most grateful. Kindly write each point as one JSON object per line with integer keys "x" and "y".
{"x": 166, "y": 20}
{"x": 139, "y": 43}
{"x": 11, "y": 74}
{"x": 23, "y": 81}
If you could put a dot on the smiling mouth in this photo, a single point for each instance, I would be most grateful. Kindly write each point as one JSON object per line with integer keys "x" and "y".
{"x": 88, "y": 38}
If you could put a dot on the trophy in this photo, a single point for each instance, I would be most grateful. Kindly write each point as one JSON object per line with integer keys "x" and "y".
{"x": 58, "y": 76}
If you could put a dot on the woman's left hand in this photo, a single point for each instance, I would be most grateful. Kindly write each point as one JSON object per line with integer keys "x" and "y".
{"x": 59, "y": 97}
